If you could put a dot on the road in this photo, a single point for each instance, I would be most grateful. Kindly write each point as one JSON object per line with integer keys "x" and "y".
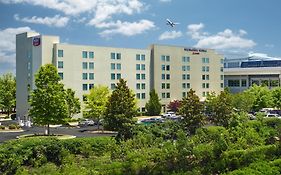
{"x": 76, "y": 131}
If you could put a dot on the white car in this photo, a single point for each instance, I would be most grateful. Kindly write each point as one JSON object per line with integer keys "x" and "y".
{"x": 169, "y": 115}
{"x": 272, "y": 115}
{"x": 86, "y": 122}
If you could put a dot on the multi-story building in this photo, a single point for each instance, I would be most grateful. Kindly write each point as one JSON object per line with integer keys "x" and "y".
{"x": 240, "y": 74}
{"x": 171, "y": 70}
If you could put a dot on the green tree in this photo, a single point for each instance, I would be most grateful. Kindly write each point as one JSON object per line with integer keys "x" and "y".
{"x": 262, "y": 97}
{"x": 96, "y": 103}
{"x": 120, "y": 111}
{"x": 153, "y": 106}
{"x": 276, "y": 97}
{"x": 8, "y": 93}
{"x": 192, "y": 112}
{"x": 220, "y": 108}
{"x": 48, "y": 101}
{"x": 73, "y": 103}
{"x": 243, "y": 102}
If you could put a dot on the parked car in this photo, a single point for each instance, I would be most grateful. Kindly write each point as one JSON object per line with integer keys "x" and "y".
{"x": 168, "y": 115}
{"x": 272, "y": 115}
{"x": 86, "y": 122}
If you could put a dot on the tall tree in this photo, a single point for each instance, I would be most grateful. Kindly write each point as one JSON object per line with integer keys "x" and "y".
{"x": 192, "y": 112}
{"x": 220, "y": 108}
{"x": 120, "y": 111}
{"x": 174, "y": 105}
{"x": 243, "y": 102}
{"x": 153, "y": 106}
{"x": 96, "y": 103}
{"x": 48, "y": 104}
{"x": 276, "y": 97}
{"x": 8, "y": 92}
{"x": 73, "y": 103}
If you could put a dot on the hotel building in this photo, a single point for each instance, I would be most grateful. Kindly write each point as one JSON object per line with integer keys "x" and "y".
{"x": 171, "y": 70}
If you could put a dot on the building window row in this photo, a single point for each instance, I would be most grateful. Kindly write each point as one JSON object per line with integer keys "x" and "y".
{"x": 165, "y": 76}
{"x": 165, "y": 58}
{"x": 140, "y": 57}
{"x": 114, "y": 76}
{"x": 165, "y": 85}
{"x": 205, "y": 68}
{"x": 205, "y": 77}
{"x": 166, "y": 95}
{"x": 236, "y": 83}
{"x": 140, "y": 76}
{"x": 205, "y": 94}
{"x": 85, "y": 65}
{"x": 86, "y": 87}
{"x": 185, "y": 68}
{"x": 186, "y": 76}
{"x": 205, "y": 85}
{"x": 115, "y": 56}
{"x": 205, "y": 60}
{"x": 85, "y": 54}
{"x": 140, "y": 95}
{"x": 85, "y": 76}
{"x": 186, "y": 59}
{"x": 186, "y": 85}
{"x": 140, "y": 66}
{"x": 165, "y": 67}
{"x": 114, "y": 66}
{"x": 140, "y": 86}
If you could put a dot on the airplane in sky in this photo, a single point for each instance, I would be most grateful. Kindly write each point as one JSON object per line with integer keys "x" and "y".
{"x": 171, "y": 23}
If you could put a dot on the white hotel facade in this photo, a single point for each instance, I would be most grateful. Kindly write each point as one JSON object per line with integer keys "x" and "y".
{"x": 171, "y": 70}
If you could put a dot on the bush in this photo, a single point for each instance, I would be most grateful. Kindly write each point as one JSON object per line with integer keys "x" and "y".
{"x": 12, "y": 126}
{"x": 2, "y": 127}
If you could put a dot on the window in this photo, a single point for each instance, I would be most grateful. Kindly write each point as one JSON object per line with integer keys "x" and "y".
{"x": 163, "y": 67}
{"x": 168, "y": 86}
{"x": 244, "y": 83}
{"x": 163, "y": 58}
{"x": 168, "y": 95}
{"x": 138, "y": 76}
{"x": 205, "y": 60}
{"x": 143, "y": 67}
{"x": 167, "y": 58}
{"x": 137, "y": 66}
{"x": 91, "y": 86}
{"x": 91, "y": 65}
{"x": 143, "y": 95}
{"x": 143, "y": 86}
{"x": 183, "y": 85}
{"x": 118, "y": 76}
{"x": 168, "y": 76}
{"x": 118, "y": 56}
{"x": 203, "y": 77}
{"x": 60, "y": 53}
{"x": 167, "y": 67}
{"x": 221, "y": 77}
{"x": 163, "y": 85}
{"x": 221, "y": 61}
{"x": 187, "y": 85}
{"x": 163, "y": 95}
{"x": 207, "y": 68}
{"x": 85, "y": 87}
{"x": 203, "y": 68}
{"x": 91, "y": 76}
{"x": 207, "y": 85}
{"x": 187, "y": 76}
{"x": 112, "y": 86}
{"x": 118, "y": 66}
{"x": 143, "y": 76}
{"x": 112, "y": 66}
{"x": 138, "y": 95}
{"x": 138, "y": 57}
{"x": 85, "y": 76}
{"x": 203, "y": 85}
{"x": 207, "y": 77}
{"x": 221, "y": 85}
{"x": 204, "y": 94}
{"x": 163, "y": 76}
{"x": 221, "y": 69}
{"x": 233, "y": 83}
{"x": 112, "y": 76}
{"x": 184, "y": 94}
{"x": 91, "y": 54}
{"x": 183, "y": 76}
{"x": 138, "y": 86}
{"x": 61, "y": 75}
{"x": 85, "y": 65}
{"x": 142, "y": 57}
{"x": 60, "y": 64}
{"x": 112, "y": 56}
{"x": 84, "y": 54}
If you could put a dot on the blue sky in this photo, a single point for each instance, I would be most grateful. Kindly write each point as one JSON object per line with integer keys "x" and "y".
{"x": 234, "y": 28}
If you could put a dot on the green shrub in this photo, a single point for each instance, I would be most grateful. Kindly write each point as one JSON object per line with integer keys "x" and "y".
{"x": 2, "y": 127}
{"x": 12, "y": 126}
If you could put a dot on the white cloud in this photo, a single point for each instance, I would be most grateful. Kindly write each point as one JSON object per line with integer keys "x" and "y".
{"x": 222, "y": 40}
{"x": 8, "y": 46}
{"x": 56, "y": 21}
{"x": 170, "y": 35}
{"x": 127, "y": 28}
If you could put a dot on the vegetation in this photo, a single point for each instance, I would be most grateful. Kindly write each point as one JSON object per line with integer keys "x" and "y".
{"x": 7, "y": 93}
{"x": 95, "y": 106}
{"x": 120, "y": 111}
{"x": 72, "y": 102}
{"x": 153, "y": 106}
{"x": 49, "y": 100}
{"x": 174, "y": 105}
